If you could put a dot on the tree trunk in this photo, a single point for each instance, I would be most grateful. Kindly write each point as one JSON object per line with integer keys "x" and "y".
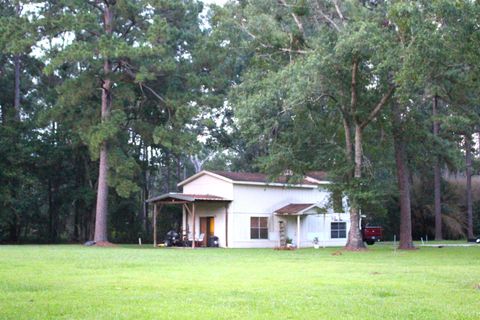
{"x": 16, "y": 99}
{"x": 51, "y": 214}
{"x": 402, "y": 180}
{"x": 355, "y": 240}
{"x": 437, "y": 177}
{"x": 348, "y": 140}
{"x": 16, "y": 63}
{"x": 101, "y": 216}
{"x": 468, "y": 163}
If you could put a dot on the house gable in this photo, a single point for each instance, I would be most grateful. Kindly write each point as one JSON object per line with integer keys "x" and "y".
{"x": 206, "y": 182}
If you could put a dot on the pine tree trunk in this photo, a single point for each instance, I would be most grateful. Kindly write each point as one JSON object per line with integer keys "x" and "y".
{"x": 101, "y": 215}
{"x": 402, "y": 180}
{"x": 16, "y": 99}
{"x": 437, "y": 177}
{"x": 3, "y": 107}
{"x": 468, "y": 163}
{"x": 355, "y": 240}
{"x": 16, "y": 63}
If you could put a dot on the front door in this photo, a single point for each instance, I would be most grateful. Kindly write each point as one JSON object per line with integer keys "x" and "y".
{"x": 207, "y": 227}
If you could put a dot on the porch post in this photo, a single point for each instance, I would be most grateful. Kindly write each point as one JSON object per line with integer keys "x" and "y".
{"x": 154, "y": 225}
{"x": 184, "y": 219}
{"x": 298, "y": 231}
{"x": 193, "y": 227}
{"x": 226, "y": 225}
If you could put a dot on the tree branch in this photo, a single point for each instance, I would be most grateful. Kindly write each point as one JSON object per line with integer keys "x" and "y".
{"x": 269, "y": 46}
{"x": 159, "y": 97}
{"x": 353, "y": 87}
{"x": 296, "y": 18}
{"x": 129, "y": 28}
{"x": 378, "y": 107}
{"x": 95, "y": 5}
{"x": 326, "y": 17}
{"x": 339, "y": 12}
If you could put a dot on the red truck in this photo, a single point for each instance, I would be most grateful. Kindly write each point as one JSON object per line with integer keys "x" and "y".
{"x": 372, "y": 234}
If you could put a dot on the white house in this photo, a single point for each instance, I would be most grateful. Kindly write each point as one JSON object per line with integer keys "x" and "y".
{"x": 245, "y": 210}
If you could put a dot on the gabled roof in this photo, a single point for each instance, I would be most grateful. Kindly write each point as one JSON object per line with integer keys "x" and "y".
{"x": 317, "y": 177}
{"x": 295, "y": 209}
{"x": 173, "y": 197}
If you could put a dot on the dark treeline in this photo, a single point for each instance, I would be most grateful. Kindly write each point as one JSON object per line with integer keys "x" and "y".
{"x": 104, "y": 104}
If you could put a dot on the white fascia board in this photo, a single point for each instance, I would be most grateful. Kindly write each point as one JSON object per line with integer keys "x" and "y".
{"x": 201, "y": 173}
{"x": 276, "y": 184}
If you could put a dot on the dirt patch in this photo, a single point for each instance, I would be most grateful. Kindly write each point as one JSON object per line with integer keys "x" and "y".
{"x": 356, "y": 249}
{"x": 284, "y": 248}
{"x": 477, "y": 286}
{"x": 105, "y": 244}
{"x": 337, "y": 253}
{"x": 374, "y": 273}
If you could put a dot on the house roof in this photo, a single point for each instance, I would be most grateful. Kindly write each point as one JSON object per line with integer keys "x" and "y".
{"x": 294, "y": 209}
{"x": 173, "y": 197}
{"x": 260, "y": 177}
{"x": 317, "y": 177}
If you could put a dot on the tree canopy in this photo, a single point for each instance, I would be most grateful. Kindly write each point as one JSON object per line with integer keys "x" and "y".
{"x": 104, "y": 103}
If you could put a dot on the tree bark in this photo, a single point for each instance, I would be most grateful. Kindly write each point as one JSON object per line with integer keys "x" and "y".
{"x": 16, "y": 99}
{"x": 406, "y": 241}
{"x": 16, "y": 63}
{"x": 437, "y": 177}
{"x": 355, "y": 239}
{"x": 101, "y": 215}
{"x": 468, "y": 164}
{"x": 348, "y": 140}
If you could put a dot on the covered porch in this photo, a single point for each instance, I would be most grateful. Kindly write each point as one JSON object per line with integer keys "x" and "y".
{"x": 291, "y": 217}
{"x": 201, "y": 216}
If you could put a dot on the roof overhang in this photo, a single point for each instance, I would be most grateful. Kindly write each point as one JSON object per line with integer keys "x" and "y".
{"x": 201, "y": 173}
{"x": 297, "y": 209}
{"x": 314, "y": 182}
{"x": 177, "y": 198}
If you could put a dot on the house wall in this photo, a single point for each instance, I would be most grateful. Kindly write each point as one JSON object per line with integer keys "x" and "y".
{"x": 207, "y": 184}
{"x": 262, "y": 201}
{"x": 209, "y": 209}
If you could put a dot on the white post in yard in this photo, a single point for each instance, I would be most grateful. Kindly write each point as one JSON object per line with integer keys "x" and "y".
{"x": 298, "y": 231}
{"x": 324, "y": 230}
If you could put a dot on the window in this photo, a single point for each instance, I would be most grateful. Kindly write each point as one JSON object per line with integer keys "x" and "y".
{"x": 338, "y": 230}
{"x": 258, "y": 227}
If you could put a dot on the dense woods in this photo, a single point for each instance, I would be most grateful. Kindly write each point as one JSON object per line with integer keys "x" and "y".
{"x": 106, "y": 103}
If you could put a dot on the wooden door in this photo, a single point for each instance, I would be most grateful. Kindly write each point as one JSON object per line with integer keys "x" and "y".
{"x": 207, "y": 227}
{"x": 211, "y": 227}
{"x": 204, "y": 230}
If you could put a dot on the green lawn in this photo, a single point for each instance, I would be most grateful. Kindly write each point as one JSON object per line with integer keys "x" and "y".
{"x": 128, "y": 282}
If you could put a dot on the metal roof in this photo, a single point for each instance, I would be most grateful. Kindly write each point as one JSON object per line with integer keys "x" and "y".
{"x": 294, "y": 209}
{"x": 182, "y": 197}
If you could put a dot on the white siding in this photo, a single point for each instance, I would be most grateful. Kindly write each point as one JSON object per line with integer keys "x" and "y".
{"x": 207, "y": 184}
{"x": 209, "y": 209}
{"x": 262, "y": 201}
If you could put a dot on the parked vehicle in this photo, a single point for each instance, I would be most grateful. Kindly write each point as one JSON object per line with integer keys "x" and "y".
{"x": 371, "y": 234}
{"x": 173, "y": 239}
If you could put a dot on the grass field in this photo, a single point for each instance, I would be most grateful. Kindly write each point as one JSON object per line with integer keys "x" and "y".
{"x": 128, "y": 282}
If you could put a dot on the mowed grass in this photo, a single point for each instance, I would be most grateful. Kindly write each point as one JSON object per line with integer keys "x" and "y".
{"x": 129, "y": 282}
